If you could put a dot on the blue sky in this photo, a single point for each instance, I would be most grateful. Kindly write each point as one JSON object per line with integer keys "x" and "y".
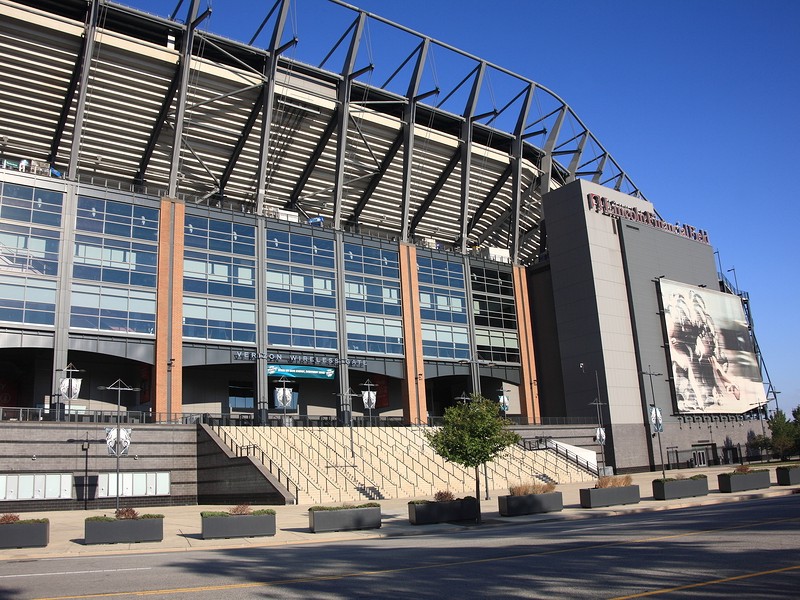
{"x": 697, "y": 100}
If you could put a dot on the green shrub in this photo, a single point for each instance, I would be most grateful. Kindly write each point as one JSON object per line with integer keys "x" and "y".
{"x": 443, "y": 496}
{"x": 10, "y": 519}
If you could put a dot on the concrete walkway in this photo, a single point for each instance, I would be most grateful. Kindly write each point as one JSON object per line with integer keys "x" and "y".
{"x": 182, "y": 523}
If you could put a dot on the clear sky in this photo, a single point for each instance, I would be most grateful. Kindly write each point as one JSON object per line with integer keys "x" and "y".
{"x": 698, "y": 101}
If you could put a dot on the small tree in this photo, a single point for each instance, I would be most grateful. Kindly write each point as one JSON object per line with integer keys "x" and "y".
{"x": 474, "y": 433}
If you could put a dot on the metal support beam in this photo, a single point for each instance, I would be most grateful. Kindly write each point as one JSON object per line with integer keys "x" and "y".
{"x": 409, "y": 120}
{"x": 90, "y": 31}
{"x": 266, "y": 103}
{"x": 547, "y": 159}
{"x": 437, "y": 186}
{"x": 375, "y": 179}
{"x": 487, "y": 201}
{"x": 314, "y": 159}
{"x": 166, "y": 104}
{"x": 185, "y": 69}
{"x": 466, "y": 152}
{"x": 342, "y": 118}
{"x": 74, "y": 79}
{"x": 576, "y": 158}
{"x": 516, "y": 172}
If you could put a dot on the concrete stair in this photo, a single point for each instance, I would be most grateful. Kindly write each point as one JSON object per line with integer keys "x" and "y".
{"x": 342, "y": 464}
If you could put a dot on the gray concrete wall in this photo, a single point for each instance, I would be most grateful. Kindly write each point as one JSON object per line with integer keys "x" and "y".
{"x": 224, "y": 478}
{"x": 59, "y": 448}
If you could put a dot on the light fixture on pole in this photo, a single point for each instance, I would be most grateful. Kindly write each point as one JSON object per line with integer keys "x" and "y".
{"x": 69, "y": 387}
{"x": 117, "y": 443}
{"x": 656, "y": 420}
{"x": 370, "y": 397}
{"x": 283, "y": 397}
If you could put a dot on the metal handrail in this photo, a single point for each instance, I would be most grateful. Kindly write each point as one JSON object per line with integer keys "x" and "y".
{"x": 572, "y": 457}
{"x": 238, "y": 449}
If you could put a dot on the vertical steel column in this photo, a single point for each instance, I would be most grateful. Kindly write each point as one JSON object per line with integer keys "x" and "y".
{"x": 80, "y": 109}
{"x": 262, "y": 380}
{"x": 409, "y": 120}
{"x": 474, "y": 361}
{"x": 466, "y": 152}
{"x": 66, "y": 255}
{"x": 345, "y": 414}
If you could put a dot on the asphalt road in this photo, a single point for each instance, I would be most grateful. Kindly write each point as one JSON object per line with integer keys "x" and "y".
{"x": 748, "y": 550}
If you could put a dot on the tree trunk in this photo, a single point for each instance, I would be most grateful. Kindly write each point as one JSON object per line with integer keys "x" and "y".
{"x": 478, "y": 494}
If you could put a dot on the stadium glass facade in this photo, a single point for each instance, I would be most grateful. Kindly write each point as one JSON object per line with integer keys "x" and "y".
{"x": 315, "y": 297}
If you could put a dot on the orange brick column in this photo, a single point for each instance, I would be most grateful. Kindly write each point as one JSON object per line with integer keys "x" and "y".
{"x": 415, "y": 407}
{"x": 168, "y": 381}
{"x": 528, "y": 399}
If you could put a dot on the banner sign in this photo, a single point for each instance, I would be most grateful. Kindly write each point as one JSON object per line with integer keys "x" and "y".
{"x": 118, "y": 447}
{"x": 300, "y": 372}
{"x": 656, "y": 420}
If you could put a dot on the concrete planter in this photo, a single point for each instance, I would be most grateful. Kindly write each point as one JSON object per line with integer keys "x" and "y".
{"x": 612, "y": 496}
{"x": 530, "y": 504}
{"x": 234, "y": 526}
{"x": 427, "y": 513}
{"x": 346, "y": 519}
{"x": 679, "y": 488}
{"x": 24, "y": 535}
{"x": 788, "y": 475}
{"x": 123, "y": 531}
{"x": 741, "y": 482}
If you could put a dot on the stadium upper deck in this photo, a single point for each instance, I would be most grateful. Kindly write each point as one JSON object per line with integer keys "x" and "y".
{"x": 444, "y": 163}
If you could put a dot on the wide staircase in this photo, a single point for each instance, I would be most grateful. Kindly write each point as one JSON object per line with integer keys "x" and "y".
{"x": 342, "y": 464}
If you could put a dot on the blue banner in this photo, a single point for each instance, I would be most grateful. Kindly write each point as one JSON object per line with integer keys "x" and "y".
{"x": 300, "y": 372}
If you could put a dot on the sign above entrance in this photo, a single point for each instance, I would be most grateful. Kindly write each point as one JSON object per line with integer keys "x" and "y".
{"x": 300, "y": 359}
{"x": 300, "y": 372}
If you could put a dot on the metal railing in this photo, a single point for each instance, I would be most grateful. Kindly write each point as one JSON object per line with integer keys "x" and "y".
{"x": 547, "y": 443}
{"x": 76, "y": 415}
{"x": 245, "y": 450}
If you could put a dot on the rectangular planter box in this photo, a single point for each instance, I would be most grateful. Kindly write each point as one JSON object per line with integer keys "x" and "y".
{"x": 234, "y": 526}
{"x": 598, "y": 497}
{"x": 679, "y": 488}
{"x": 346, "y": 519}
{"x": 123, "y": 531}
{"x": 788, "y": 475}
{"x": 24, "y": 535}
{"x": 742, "y": 482}
{"x": 530, "y": 504}
{"x": 443, "y": 512}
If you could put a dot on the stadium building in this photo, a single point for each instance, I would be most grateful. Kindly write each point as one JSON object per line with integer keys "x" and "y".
{"x": 218, "y": 231}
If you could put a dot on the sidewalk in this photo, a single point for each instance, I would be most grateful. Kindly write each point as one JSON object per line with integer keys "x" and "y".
{"x": 182, "y": 523}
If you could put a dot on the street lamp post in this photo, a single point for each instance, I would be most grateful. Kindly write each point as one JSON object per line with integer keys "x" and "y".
{"x": 347, "y": 403}
{"x": 735, "y": 280}
{"x": 119, "y": 386}
{"x": 285, "y": 398}
{"x": 601, "y": 438}
{"x": 655, "y": 419}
